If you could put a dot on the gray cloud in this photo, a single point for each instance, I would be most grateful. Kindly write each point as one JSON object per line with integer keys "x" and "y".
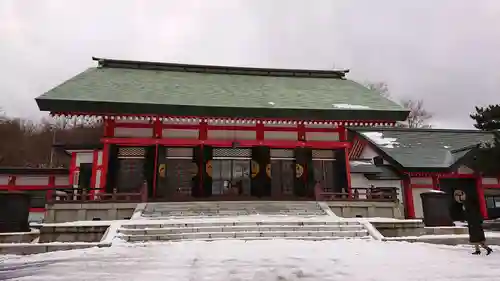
{"x": 445, "y": 52}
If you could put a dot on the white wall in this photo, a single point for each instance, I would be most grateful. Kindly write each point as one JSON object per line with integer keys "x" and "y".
{"x": 422, "y": 181}
{"x": 62, "y": 180}
{"x": 84, "y": 157}
{"x": 368, "y": 152}
{"x": 280, "y": 135}
{"x": 32, "y": 180}
{"x": 322, "y": 136}
{"x": 490, "y": 181}
{"x": 465, "y": 170}
{"x": 180, "y": 134}
{"x": 133, "y": 132}
{"x": 359, "y": 180}
{"x": 4, "y": 179}
{"x": 231, "y": 135}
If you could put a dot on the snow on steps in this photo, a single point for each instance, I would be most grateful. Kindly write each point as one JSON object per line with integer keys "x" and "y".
{"x": 208, "y": 231}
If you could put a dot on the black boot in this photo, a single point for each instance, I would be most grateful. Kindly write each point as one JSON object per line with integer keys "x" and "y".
{"x": 477, "y": 252}
{"x": 488, "y": 251}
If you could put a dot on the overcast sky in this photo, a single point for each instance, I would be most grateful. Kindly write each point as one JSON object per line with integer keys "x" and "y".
{"x": 446, "y": 52}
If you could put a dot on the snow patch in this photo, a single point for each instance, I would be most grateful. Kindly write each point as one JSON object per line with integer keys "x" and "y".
{"x": 349, "y": 106}
{"x": 358, "y": 163}
{"x": 436, "y": 191}
{"x": 379, "y": 139}
{"x": 342, "y": 260}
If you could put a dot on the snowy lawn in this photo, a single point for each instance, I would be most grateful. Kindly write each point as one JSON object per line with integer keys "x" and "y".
{"x": 349, "y": 260}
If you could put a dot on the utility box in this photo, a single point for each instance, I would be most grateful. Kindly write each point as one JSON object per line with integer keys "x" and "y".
{"x": 436, "y": 208}
{"x": 14, "y": 212}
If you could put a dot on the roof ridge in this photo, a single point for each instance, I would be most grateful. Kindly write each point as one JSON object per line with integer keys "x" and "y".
{"x": 433, "y": 130}
{"x": 219, "y": 69}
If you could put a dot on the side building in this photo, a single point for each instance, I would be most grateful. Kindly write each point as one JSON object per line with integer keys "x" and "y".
{"x": 430, "y": 159}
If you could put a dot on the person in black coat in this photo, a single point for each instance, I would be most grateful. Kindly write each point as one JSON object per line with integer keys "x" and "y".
{"x": 475, "y": 225}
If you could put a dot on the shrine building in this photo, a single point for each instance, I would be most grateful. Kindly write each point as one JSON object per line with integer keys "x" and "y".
{"x": 178, "y": 132}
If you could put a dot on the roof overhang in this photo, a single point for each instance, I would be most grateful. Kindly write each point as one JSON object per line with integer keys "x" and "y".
{"x": 80, "y": 106}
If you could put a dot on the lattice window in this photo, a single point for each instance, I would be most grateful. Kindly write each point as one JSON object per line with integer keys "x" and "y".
{"x": 282, "y": 176}
{"x": 232, "y": 153}
{"x": 180, "y": 175}
{"x": 282, "y": 153}
{"x": 131, "y": 152}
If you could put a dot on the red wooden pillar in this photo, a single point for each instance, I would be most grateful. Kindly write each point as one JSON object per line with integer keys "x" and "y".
{"x": 480, "y": 197}
{"x": 259, "y": 131}
{"x": 343, "y": 138}
{"x": 435, "y": 182}
{"x": 202, "y": 136}
{"x": 95, "y": 159}
{"x": 301, "y": 137}
{"x": 72, "y": 169}
{"x": 50, "y": 191}
{"x": 109, "y": 131}
{"x": 104, "y": 167}
{"x": 158, "y": 134}
{"x": 410, "y": 207}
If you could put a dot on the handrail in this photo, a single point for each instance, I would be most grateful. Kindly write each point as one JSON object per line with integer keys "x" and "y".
{"x": 381, "y": 194}
{"x": 75, "y": 195}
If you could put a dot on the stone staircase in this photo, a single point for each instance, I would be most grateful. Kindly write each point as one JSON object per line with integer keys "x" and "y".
{"x": 243, "y": 230}
{"x": 244, "y": 220}
{"x": 231, "y": 209}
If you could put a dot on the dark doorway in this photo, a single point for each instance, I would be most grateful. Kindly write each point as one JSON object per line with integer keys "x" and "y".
{"x": 468, "y": 186}
{"x": 85, "y": 176}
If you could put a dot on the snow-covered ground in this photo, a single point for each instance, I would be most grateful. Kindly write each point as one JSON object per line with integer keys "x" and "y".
{"x": 352, "y": 260}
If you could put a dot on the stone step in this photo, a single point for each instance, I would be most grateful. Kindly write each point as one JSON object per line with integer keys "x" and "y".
{"x": 254, "y": 228}
{"x": 306, "y": 238}
{"x": 152, "y": 224}
{"x": 226, "y": 214}
{"x": 246, "y": 234}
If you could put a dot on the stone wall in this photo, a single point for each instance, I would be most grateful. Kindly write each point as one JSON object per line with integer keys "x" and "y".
{"x": 67, "y": 212}
{"x": 366, "y": 209}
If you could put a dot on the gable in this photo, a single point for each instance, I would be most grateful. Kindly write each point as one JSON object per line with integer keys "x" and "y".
{"x": 422, "y": 148}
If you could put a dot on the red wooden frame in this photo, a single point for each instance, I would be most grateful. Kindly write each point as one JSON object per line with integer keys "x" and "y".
{"x": 226, "y": 143}
{"x": 408, "y": 193}
{"x": 95, "y": 159}
{"x": 72, "y": 169}
{"x": 152, "y": 117}
{"x": 256, "y": 127}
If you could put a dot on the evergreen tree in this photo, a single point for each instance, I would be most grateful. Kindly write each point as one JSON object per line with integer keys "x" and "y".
{"x": 486, "y": 157}
{"x": 487, "y": 118}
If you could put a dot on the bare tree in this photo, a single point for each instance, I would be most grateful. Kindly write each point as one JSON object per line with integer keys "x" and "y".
{"x": 381, "y": 87}
{"x": 418, "y": 117}
{"x": 24, "y": 143}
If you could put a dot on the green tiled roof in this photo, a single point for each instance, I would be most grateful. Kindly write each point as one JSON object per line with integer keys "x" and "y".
{"x": 156, "y": 88}
{"x": 423, "y": 148}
